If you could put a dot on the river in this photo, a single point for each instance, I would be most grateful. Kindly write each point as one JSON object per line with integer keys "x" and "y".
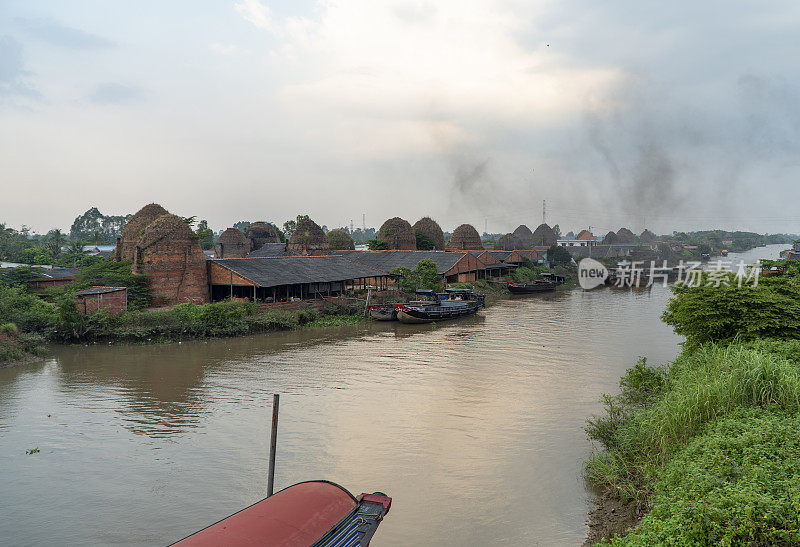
{"x": 474, "y": 428}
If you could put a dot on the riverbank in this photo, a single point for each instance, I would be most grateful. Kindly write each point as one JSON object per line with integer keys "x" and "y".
{"x": 705, "y": 450}
{"x": 20, "y": 349}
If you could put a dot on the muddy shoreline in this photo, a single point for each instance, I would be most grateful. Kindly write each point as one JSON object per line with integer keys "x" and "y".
{"x": 610, "y": 517}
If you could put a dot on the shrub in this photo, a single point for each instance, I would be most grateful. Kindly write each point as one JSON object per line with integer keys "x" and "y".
{"x": 736, "y": 483}
{"x": 711, "y": 314}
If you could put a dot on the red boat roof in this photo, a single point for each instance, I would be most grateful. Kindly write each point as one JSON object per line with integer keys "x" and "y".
{"x": 298, "y": 516}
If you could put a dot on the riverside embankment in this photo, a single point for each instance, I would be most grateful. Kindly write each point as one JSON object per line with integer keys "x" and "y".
{"x": 705, "y": 451}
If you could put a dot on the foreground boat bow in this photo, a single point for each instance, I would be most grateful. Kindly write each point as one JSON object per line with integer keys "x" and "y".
{"x": 308, "y": 514}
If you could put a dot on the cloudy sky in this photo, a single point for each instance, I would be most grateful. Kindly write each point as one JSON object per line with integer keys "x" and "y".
{"x": 677, "y": 115}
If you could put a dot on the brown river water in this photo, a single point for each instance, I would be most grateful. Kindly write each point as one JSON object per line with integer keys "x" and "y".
{"x": 474, "y": 427}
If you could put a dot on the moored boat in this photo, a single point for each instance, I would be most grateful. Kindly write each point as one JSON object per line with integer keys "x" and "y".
{"x": 528, "y": 288}
{"x": 553, "y": 278}
{"x": 705, "y": 256}
{"x": 724, "y": 252}
{"x": 307, "y": 514}
{"x": 452, "y": 304}
{"x": 384, "y": 312}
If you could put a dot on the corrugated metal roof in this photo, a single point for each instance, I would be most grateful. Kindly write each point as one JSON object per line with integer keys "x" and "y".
{"x": 387, "y": 260}
{"x": 500, "y": 255}
{"x": 270, "y": 249}
{"x": 99, "y": 290}
{"x": 60, "y": 273}
{"x": 292, "y": 270}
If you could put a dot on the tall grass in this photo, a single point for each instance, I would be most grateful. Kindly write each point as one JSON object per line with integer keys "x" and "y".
{"x": 702, "y": 385}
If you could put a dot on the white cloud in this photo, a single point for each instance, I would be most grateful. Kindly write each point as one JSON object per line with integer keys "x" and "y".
{"x": 256, "y": 13}
{"x": 393, "y": 70}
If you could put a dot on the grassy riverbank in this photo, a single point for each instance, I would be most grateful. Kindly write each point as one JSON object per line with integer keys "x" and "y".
{"x": 705, "y": 451}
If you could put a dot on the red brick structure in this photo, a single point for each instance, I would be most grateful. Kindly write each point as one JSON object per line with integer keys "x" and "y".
{"x": 430, "y": 228}
{"x": 232, "y": 243}
{"x": 398, "y": 235}
{"x": 465, "y": 237}
{"x": 112, "y": 299}
{"x": 169, "y": 254}
{"x": 308, "y": 239}
{"x": 261, "y": 233}
{"x": 133, "y": 230}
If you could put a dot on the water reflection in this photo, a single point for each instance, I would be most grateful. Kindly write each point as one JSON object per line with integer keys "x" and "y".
{"x": 473, "y": 427}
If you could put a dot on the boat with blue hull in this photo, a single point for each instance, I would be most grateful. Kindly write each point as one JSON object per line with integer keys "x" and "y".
{"x": 451, "y": 304}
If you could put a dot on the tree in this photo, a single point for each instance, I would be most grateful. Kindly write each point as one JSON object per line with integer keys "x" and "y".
{"x": 558, "y": 256}
{"x": 97, "y": 227}
{"x": 376, "y": 244}
{"x": 291, "y": 225}
{"x": 55, "y": 239}
{"x": 424, "y": 243}
{"x": 339, "y": 240}
{"x": 427, "y": 275}
{"x": 205, "y": 235}
{"x": 242, "y": 225}
{"x": 424, "y": 276}
{"x": 557, "y": 231}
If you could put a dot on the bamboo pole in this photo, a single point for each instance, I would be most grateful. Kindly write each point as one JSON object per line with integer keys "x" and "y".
{"x": 273, "y": 443}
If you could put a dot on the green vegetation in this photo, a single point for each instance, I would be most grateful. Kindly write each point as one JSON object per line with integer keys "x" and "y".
{"x": 558, "y": 256}
{"x": 424, "y": 243}
{"x": 424, "y": 276}
{"x": 205, "y": 235}
{"x": 710, "y": 443}
{"x": 376, "y": 244}
{"x": 30, "y": 320}
{"x": 290, "y": 226}
{"x": 95, "y": 228}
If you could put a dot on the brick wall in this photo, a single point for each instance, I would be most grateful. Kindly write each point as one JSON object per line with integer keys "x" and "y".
{"x": 176, "y": 272}
{"x": 114, "y": 303}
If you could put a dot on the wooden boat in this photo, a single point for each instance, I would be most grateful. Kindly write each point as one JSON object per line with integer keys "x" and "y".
{"x": 705, "y": 256}
{"x": 528, "y": 288}
{"x": 553, "y": 278}
{"x": 307, "y": 514}
{"x": 383, "y": 312}
{"x": 452, "y": 304}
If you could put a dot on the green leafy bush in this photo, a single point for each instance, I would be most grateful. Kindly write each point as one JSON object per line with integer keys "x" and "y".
{"x": 710, "y": 314}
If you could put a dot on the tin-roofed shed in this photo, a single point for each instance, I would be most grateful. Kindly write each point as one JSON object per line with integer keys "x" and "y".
{"x": 287, "y": 277}
{"x": 453, "y": 266}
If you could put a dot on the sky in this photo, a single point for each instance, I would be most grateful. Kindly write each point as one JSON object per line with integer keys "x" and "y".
{"x": 670, "y": 116}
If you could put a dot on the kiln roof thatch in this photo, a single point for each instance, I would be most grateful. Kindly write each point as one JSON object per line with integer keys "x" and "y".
{"x": 625, "y": 236}
{"x": 168, "y": 227}
{"x": 543, "y": 235}
{"x": 308, "y": 238}
{"x": 133, "y": 229}
{"x": 647, "y": 236}
{"x": 508, "y": 242}
{"x": 233, "y": 236}
{"x": 611, "y": 238}
{"x": 340, "y": 240}
{"x": 523, "y": 233}
{"x": 465, "y": 237}
{"x": 398, "y": 234}
{"x": 431, "y": 229}
{"x": 263, "y": 232}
